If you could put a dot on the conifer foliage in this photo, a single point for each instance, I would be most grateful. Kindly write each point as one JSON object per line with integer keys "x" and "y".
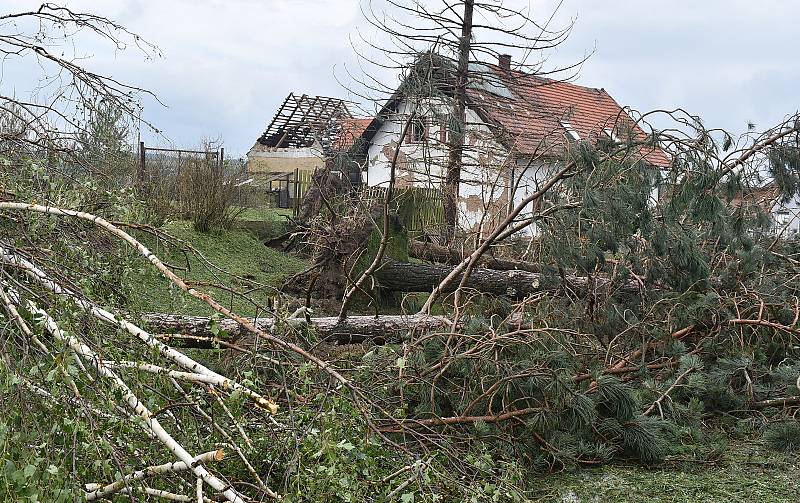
{"x": 657, "y": 313}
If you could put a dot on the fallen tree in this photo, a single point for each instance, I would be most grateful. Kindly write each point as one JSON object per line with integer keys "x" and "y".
{"x": 353, "y": 329}
{"x": 407, "y": 277}
{"x": 433, "y": 252}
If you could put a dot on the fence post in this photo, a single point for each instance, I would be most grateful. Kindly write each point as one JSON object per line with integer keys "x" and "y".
{"x": 296, "y": 191}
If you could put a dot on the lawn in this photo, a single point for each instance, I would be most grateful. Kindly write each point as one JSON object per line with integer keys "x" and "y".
{"x": 235, "y": 251}
{"x": 264, "y": 214}
{"x": 747, "y": 471}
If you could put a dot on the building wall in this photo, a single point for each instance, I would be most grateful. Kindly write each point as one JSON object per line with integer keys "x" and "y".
{"x": 528, "y": 177}
{"x": 786, "y": 218}
{"x": 283, "y": 160}
{"x": 487, "y": 168}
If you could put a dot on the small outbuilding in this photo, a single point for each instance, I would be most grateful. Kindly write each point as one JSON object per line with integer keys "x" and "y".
{"x": 304, "y": 132}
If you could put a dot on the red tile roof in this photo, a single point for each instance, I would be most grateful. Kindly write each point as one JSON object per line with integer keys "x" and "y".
{"x": 533, "y": 115}
{"x": 352, "y": 129}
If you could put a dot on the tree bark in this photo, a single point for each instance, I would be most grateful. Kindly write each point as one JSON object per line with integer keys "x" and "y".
{"x": 406, "y": 277}
{"x": 351, "y": 330}
{"x": 453, "y": 170}
{"x": 451, "y": 256}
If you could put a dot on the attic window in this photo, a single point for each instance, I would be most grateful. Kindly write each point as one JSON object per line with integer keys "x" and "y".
{"x": 572, "y": 133}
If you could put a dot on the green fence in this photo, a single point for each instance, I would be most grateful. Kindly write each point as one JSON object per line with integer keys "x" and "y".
{"x": 281, "y": 190}
{"x": 421, "y": 209}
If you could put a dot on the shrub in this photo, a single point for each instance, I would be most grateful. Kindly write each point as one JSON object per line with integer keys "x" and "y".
{"x": 783, "y": 436}
{"x": 207, "y": 193}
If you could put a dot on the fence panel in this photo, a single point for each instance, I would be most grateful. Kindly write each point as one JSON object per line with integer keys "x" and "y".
{"x": 421, "y": 209}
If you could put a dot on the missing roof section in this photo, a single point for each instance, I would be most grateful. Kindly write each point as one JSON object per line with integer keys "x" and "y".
{"x": 484, "y": 78}
{"x": 611, "y": 134}
{"x": 304, "y": 120}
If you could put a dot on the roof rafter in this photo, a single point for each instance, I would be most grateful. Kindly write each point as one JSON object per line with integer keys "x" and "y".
{"x": 305, "y": 120}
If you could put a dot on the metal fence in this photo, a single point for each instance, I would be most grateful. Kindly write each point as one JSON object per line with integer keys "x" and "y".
{"x": 159, "y": 163}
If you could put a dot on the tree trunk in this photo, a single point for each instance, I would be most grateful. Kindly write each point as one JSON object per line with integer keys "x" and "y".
{"x": 405, "y": 277}
{"x": 448, "y": 255}
{"x": 353, "y": 329}
{"x": 453, "y": 171}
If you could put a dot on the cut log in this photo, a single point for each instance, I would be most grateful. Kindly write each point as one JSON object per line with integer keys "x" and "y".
{"x": 404, "y": 277}
{"x": 445, "y": 255}
{"x": 353, "y": 329}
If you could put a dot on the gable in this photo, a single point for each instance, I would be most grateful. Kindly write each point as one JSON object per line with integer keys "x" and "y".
{"x": 536, "y": 116}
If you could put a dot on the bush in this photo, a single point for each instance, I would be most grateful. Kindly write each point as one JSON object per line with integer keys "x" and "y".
{"x": 207, "y": 193}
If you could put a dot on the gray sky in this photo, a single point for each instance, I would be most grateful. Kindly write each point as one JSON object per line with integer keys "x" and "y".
{"x": 228, "y": 64}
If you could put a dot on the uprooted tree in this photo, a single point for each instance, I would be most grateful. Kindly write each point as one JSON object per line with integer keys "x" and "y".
{"x": 639, "y": 318}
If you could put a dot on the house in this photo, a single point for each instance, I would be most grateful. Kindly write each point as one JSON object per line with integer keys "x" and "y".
{"x": 784, "y": 215}
{"x": 518, "y": 127}
{"x": 785, "y": 218}
{"x": 305, "y": 131}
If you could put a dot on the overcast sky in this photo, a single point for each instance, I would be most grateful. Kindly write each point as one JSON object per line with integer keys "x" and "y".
{"x": 228, "y": 64}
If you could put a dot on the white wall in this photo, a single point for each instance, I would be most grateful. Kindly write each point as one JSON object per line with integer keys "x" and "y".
{"x": 786, "y": 218}
{"x": 486, "y": 167}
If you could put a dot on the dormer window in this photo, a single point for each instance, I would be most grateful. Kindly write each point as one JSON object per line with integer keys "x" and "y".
{"x": 570, "y": 130}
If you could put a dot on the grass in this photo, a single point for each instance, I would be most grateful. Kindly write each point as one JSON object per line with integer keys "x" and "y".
{"x": 747, "y": 471}
{"x": 264, "y": 222}
{"x": 264, "y": 214}
{"x": 236, "y": 251}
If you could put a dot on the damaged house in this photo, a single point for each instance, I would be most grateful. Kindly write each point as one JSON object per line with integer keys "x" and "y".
{"x": 518, "y": 127}
{"x": 305, "y": 131}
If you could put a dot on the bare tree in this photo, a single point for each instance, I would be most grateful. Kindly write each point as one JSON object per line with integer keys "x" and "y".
{"x": 66, "y": 92}
{"x": 462, "y": 46}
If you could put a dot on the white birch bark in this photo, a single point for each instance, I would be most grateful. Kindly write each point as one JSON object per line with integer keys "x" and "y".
{"x": 133, "y": 402}
{"x": 175, "y": 356}
{"x": 100, "y": 491}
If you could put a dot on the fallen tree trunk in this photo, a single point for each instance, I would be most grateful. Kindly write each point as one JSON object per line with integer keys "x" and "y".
{"x": 406, "y": 277}
{"x": 351, "y": 330}
{"x": 451, "y": 256}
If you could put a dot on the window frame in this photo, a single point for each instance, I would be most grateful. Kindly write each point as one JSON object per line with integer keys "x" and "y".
{"x": 415, "y": 136}
{"x": 570, "y": 130}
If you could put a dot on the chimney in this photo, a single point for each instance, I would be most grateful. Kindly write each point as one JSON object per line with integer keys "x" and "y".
{"x": 504, "y": 61}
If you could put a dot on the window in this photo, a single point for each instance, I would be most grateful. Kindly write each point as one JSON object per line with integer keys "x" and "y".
{"x": 444, "y": 133}
{"x": 572, "y": 133}
{"x": 417, "y": 130}
{"x": 781, "y": 221}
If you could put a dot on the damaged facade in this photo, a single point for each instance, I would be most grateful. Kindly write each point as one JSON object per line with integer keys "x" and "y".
{"x": 518, "y": 128}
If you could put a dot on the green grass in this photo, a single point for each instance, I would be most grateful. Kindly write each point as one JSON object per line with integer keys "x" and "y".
{"x": 264, "y": 214}
{"x": 746, "y": 472}
{"x": 264, "y": 222}
{"x": 236, "y": 251}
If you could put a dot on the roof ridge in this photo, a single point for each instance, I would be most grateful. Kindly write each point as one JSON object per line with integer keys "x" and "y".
{"x": 546, "y": 80}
